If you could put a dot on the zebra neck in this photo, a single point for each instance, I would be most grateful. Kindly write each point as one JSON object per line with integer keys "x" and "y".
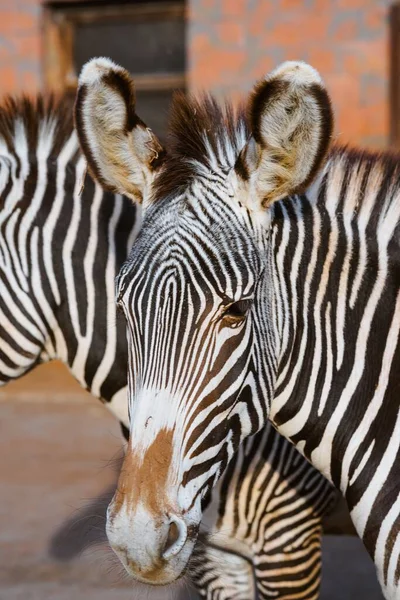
{"x": 338, "y": 334}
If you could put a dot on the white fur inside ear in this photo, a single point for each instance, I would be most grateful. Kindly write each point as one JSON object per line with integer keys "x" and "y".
{"x": 240, "y": 191}
{"x": 95, "y": 69}
{"x": 292, "y": 120}
{"x": 110, "y": 111}
{"x": 121, "y": 157}
{"x": 296, "y": 72}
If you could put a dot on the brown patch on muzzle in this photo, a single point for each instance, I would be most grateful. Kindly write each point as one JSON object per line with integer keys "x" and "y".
{"x": 145, "y": 479}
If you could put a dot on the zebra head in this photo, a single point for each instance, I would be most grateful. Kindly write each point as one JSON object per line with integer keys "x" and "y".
{"x": 197, "y": 290}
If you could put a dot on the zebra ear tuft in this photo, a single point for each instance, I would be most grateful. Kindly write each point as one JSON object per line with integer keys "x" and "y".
{"x": 122, "y": 153}
{"x": 291, "y": 121}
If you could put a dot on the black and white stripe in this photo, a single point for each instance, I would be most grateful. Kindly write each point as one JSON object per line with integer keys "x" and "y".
{"x": 270, "y": 503}
{"x": 338, "y": 378}
{"x": 257, "y": 288}
{"x": 61, "y": 245}
{"x": 320, "y": 342}
{"x": 60, "y": 249}
{"x": 270, "y": 500}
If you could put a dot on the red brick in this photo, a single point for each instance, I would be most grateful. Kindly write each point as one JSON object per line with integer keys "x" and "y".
{"x": 351, "y": 64}
{"x": 29, "y": 46}
{"x": 358, "y": 46}
{"x": 223, "y": 68}
{"x": 372, "y": 55}
{"x": 375, "y": 120}
{"x": 210, "y": 4}
{"x": 261, "y": 68}
{"x": 324, "y": 5}
{"x": 375, "y": 18}
{"x": 8, "y": 78}
{"x": 29, "y": 82}
{"x": 322, "y": 59}
{"x": 234, "y": 8}
{"x": 214, "y": 66}
{"x": 30, "y": 3}
{"x": 7, "y": 23}
{"x": 16, "y": 22}
{"x": 300, "y": 29}
{"x": 289, "y": 4}
{"x": 20, "y": 40}
{"x": 231, "y": 33}
{"x": 7, "y": 51}
{"x": 219, "y": 60}
{"x": 344, "y": 90}
{"x": 257, "y": 20}
{"x": 200, "y": 43}
{"x": 347, "y": 30}
{"x": 350, "y": 4}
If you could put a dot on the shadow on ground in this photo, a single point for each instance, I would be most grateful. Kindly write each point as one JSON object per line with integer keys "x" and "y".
{"x": 79, "y": 532}
{"x": 344, "y": 557}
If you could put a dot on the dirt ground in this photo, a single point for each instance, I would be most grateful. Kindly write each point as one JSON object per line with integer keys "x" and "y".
{"x": 59, "y": 453}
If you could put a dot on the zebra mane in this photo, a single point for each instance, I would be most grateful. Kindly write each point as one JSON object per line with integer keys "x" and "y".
{"x": 37, "y": 115}
{"x": 203, "y": 136}
{"x": 377, "y": 168}
{"x": 387, "y": 159}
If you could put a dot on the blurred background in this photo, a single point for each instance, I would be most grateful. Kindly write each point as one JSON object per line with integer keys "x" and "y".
{"x": 59, "y": 446}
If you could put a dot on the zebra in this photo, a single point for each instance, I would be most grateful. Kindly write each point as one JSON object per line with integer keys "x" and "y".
{"x": 264, "y": 284}
{"x": 61, "y": 246}
{"x": 267, "y": 528}
{"x": 53, "y": 303}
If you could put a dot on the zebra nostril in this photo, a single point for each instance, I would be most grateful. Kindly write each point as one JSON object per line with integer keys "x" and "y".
{"x": 177, "y": 535}
{"x": 173, "y": 536}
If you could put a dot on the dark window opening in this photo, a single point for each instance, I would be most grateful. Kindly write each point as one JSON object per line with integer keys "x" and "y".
{"x": 147, "y": 38}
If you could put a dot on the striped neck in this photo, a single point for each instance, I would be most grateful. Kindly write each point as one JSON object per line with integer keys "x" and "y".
{"x": 334, "y": 272}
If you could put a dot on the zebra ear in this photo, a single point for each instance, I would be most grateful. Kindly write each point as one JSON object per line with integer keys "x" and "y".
{"x": 122, "y": 153}
{"x": 291, "y": 122}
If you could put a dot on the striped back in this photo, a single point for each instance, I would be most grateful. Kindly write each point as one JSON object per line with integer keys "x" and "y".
{"x": 62, "y": 241}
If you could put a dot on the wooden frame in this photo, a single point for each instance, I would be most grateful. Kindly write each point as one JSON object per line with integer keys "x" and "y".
{"x": 60, "y": 21}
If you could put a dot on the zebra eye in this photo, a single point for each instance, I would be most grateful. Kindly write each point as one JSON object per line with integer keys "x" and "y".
{"x": 237, "y": 311}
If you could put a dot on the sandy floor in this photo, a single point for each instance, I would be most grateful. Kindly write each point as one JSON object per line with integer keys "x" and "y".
{"x": 59, "y": 450}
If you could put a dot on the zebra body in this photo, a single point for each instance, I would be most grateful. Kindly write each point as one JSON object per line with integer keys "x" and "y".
{"x": 52, "y": 304}
{"x": 268, "y": 510}
{"x": 264, "y": 283}
{"x": 348, "y": 422}
{"x": 61, "y": 246}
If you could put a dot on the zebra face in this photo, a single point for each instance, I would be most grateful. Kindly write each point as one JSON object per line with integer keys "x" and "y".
{"x": 197, "y": 290}
{"x": 188, "y": 301}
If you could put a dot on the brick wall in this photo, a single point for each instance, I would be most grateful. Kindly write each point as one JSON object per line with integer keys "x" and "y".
{"x": 233, "y": 42}
{"x": 20, "y": 46}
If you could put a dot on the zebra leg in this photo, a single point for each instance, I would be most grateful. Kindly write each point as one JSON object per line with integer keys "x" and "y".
{"x": 221, "y": 575}
{"x": 292, "y": 572}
